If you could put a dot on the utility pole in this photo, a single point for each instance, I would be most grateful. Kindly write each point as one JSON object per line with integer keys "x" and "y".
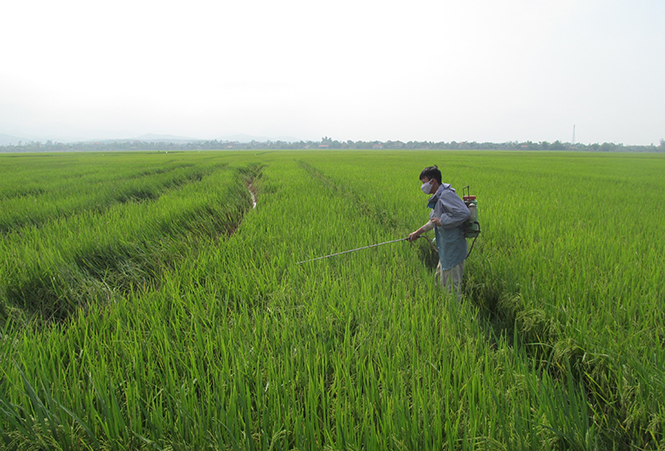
{"x": 573, "y": 135}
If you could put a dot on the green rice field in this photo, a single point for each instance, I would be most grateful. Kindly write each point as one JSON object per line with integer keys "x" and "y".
{"x": 145, "y": 304}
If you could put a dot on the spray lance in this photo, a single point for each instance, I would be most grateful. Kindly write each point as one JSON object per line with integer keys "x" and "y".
{"x": 471, "y": 229}
{"x": 353, "y": 250}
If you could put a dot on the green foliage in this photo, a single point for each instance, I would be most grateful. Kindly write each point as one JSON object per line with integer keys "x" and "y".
{"x": 179, "y": 320}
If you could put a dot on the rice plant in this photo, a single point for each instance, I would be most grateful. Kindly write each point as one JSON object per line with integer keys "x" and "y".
{"x": 188, "y": 324}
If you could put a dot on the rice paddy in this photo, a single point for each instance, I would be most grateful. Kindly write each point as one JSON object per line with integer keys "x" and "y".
{"x": 145, "y": 304}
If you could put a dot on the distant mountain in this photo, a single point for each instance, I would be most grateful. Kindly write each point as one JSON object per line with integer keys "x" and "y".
{"x": 148, "y": 137}
{"x": 242, "y": 138}
{"x": 6, "y": 140}
{"x": 158, "y": 138}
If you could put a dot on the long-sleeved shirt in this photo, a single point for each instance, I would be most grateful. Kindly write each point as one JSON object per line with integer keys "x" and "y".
{"x": 452, "y": 212}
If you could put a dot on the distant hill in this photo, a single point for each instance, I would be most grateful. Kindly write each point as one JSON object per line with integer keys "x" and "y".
{"x": 6, "y": 140}
{"x": 151, "y": 137}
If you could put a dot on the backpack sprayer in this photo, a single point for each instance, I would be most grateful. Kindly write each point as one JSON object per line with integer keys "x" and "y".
{"x": 471, "y": 226}
{"x": 471, "y": 229}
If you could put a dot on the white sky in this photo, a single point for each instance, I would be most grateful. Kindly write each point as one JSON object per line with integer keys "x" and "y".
{"x": 474, "y": 70}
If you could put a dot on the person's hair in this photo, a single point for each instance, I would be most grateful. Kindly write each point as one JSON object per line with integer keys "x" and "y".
{"x": 431, "y": 172}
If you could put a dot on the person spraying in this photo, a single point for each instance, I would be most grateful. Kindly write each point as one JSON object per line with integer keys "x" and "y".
{"x": 447, "y": 217}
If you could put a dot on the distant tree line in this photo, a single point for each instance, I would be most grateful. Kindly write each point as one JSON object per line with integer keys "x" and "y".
{"x": 324, "y": 143}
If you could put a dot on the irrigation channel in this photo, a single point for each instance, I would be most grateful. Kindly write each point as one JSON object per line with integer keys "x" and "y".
{"x": 251, "y": 193}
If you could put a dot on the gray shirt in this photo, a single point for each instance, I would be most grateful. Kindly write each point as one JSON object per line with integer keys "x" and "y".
{"x": 452, "y": 212}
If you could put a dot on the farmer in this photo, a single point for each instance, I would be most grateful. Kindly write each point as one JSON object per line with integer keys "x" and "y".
{"x": 448, "y": 214}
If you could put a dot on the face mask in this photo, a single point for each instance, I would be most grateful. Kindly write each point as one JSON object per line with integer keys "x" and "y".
{"x": 427, "y": 187}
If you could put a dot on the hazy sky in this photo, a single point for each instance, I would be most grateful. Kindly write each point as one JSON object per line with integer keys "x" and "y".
{"x": 474, "y": 70}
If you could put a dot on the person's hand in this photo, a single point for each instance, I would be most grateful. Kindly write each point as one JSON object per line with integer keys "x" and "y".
{"x": 436, "y": 221}
{"x": 414, "y": 236}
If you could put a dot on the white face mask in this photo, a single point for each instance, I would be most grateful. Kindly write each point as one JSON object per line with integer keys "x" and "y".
{"x": 427, "y": 187}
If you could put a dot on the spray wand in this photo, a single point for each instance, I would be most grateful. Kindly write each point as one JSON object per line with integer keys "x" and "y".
{"x": 353, "y": 250}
